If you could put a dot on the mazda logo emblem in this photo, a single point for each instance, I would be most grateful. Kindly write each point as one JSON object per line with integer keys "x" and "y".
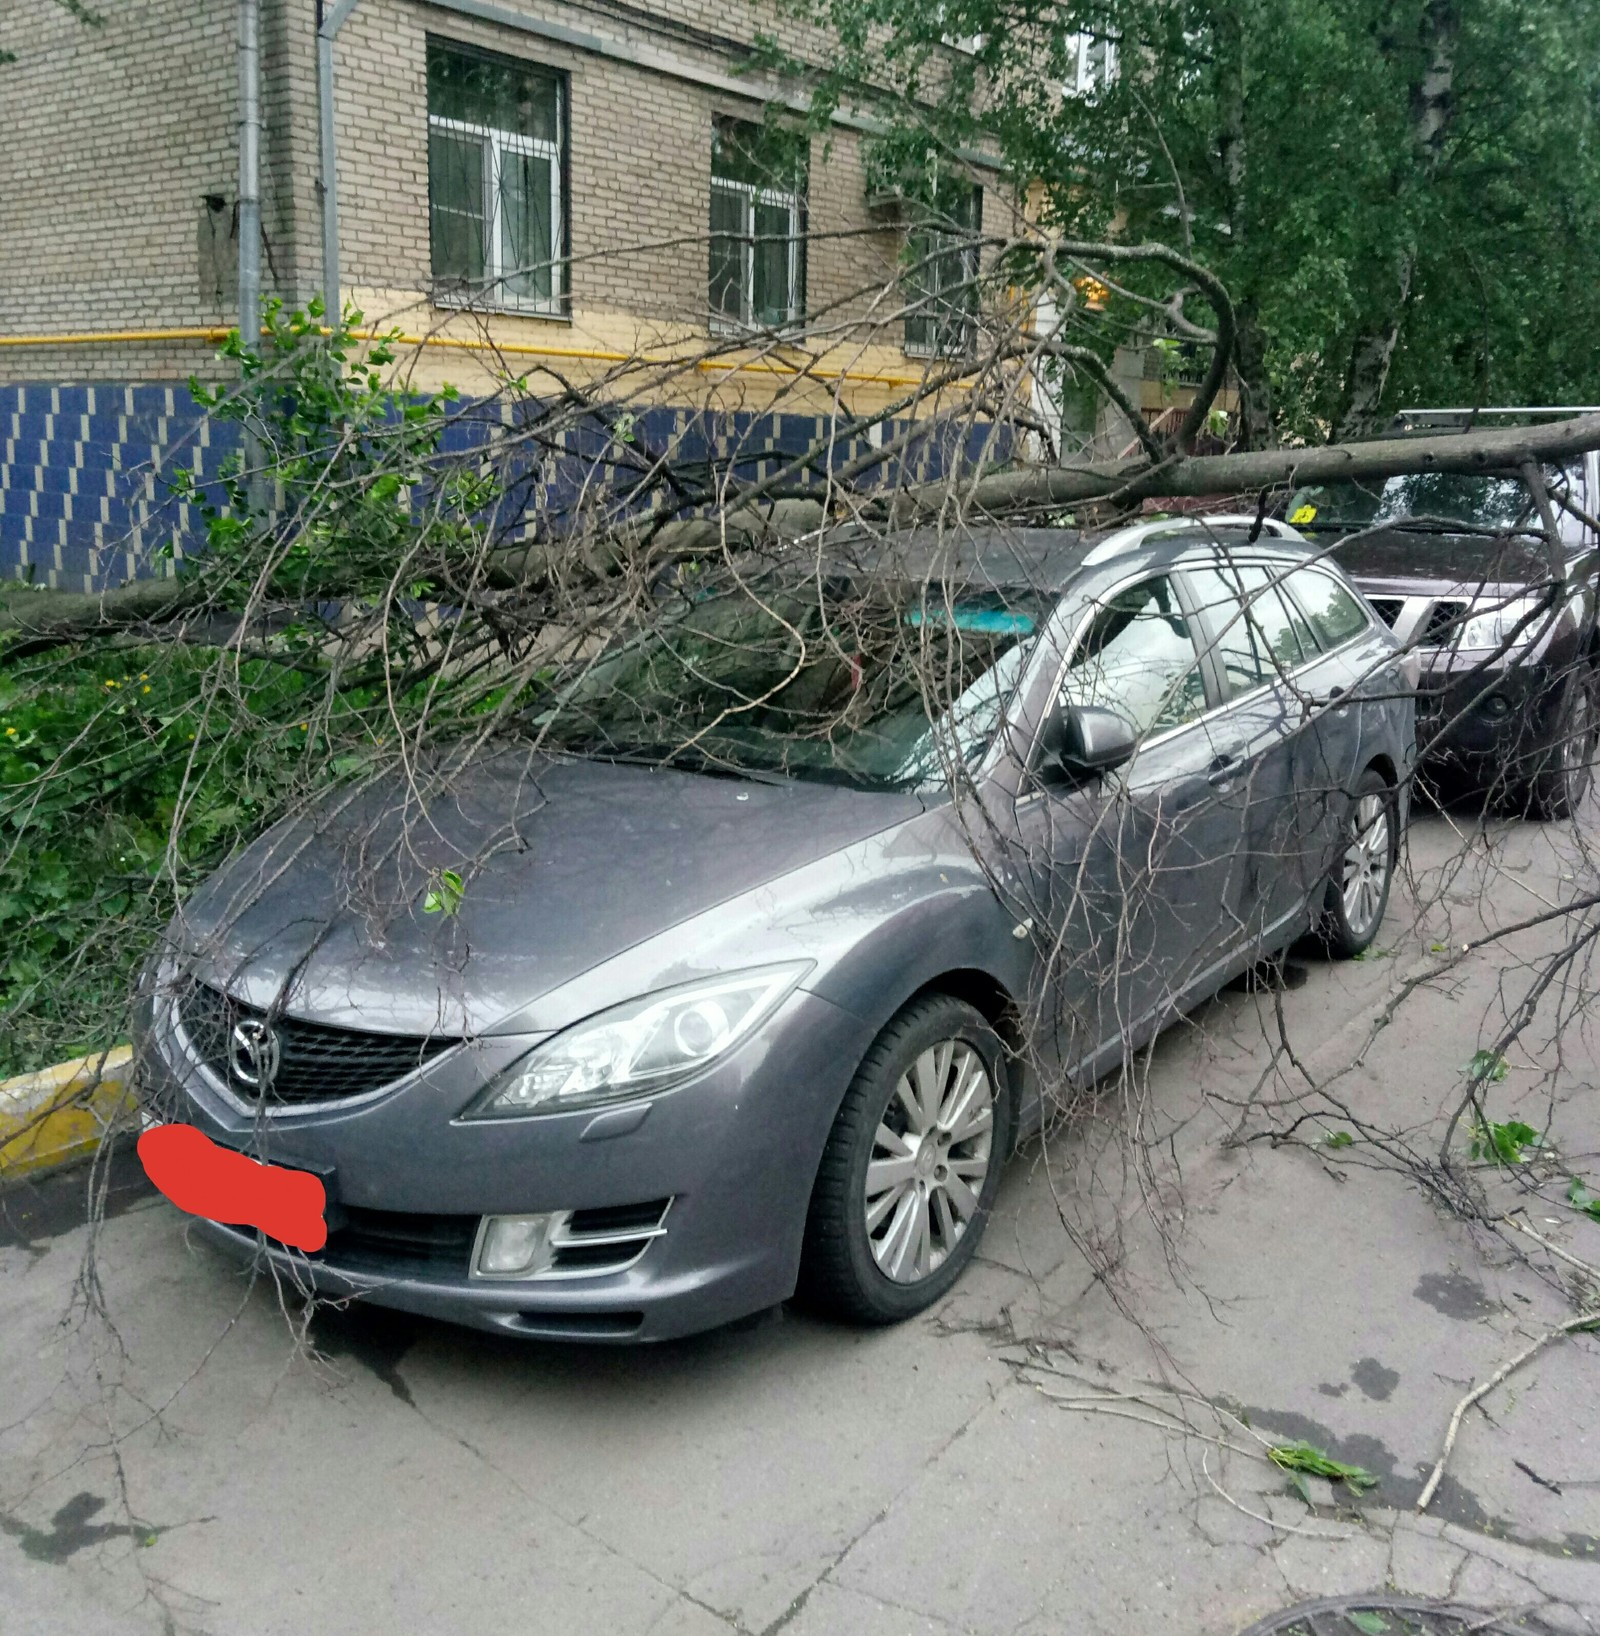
{"x": 253, "y": 1053}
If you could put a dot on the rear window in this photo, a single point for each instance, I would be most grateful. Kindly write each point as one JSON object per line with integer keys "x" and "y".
{"x": 1335, "y": 615}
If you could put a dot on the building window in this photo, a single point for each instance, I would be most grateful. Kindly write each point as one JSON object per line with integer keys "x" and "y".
{"x": 495, "y": 179}
{"x": 758, "y": 208}
{"x": 1092, "y": 64}
{"x": 942, "y": 276}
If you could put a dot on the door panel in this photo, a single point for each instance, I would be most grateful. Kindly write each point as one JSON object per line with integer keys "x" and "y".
{"x": 1130, "y": 872}
{"x": 1258, "y": 650}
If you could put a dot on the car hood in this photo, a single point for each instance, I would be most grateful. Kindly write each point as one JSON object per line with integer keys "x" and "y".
{"x": 563, "y": 864}
{"x": 1442, "y": 562}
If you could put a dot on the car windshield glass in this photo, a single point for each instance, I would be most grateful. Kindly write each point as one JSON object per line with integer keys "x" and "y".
{"x": 1442, "y": 497}
{"x": 854, "y": 681}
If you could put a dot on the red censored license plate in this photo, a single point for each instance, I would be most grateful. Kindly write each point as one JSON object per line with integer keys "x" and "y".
{"x": 200, "y": 1177}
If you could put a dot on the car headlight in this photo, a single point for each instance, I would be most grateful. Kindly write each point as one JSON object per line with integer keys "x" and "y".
{"x": 643, "y": 1046}
{"x": 1487, "y": 631}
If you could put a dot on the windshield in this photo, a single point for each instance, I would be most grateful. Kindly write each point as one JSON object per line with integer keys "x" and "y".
{"x": 1441, "y": 497}
{"x": 877, "y": 684}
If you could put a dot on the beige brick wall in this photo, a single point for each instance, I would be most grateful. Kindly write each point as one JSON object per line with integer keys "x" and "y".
{"x": 640, "y": 168}
{"x": 115, "y": 134}
{"x": 112, "y": 137}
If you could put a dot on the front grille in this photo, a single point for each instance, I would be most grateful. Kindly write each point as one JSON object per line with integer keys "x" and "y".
{"x": 401, "y": 1244}
{"x": 1444, "y": 622}
{"x": 314, "y": 1063}
{"x": 1388, "y": 608}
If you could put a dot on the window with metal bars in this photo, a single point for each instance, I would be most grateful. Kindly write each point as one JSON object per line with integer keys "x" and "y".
{"x": 758, "y": 209}
{"x": 942, "y": 272}
{"x": 496, "y": 179}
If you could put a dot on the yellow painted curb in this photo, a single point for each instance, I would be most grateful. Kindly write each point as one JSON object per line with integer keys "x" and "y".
{"x": 60, "y": 1114}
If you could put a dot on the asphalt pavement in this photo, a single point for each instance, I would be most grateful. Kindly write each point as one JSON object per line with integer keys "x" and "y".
{"x": 1074, "y": 1442}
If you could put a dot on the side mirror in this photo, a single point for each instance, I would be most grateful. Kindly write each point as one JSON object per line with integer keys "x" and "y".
{"x": 1081, "y": 740}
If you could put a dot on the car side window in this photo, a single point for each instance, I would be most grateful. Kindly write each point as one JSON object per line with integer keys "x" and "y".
{"x": 1138, "y": 657}
{"x": 1259, "y": 637}
{"x": 1305, "y": 639}
{"x": 1335, "y": 615}
{"x": 1238, "y": 649}
{"x": 1277, "y": 630}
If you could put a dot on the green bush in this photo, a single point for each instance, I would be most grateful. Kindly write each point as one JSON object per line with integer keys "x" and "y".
{"x": 128, "y": 772}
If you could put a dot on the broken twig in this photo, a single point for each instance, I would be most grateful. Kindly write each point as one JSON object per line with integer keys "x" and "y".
{"x": 1587, "y": 1320}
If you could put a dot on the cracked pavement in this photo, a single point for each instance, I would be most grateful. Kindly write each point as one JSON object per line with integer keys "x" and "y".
{"x": 190, "y": 1470}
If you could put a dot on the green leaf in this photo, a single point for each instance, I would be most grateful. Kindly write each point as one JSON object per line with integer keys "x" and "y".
{"x": 1301, "y": 1484}
{"x": 1369, "y": 1624}
{"x": 1580, "y": 1196}
{"x": 1315, "y": 1462}
{"x": 1487, "y": 1067}
{"x": 1338, "y": 1138}
{"x": 444, "y": 894}
{"x": 1506, "y": 1144}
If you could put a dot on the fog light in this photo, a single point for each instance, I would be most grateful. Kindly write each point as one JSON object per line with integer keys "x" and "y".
{"x": 1497, "y": 704}
{"x": 513, "y": 1246}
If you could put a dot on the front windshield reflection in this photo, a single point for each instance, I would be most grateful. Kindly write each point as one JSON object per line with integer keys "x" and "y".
{"x": 876, "y": 683}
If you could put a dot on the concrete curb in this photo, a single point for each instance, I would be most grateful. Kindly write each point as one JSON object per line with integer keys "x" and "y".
{"x": 59, "y": 1114}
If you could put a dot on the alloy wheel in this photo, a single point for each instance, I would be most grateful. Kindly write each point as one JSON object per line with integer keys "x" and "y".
{"x": 1365, "y": 875}
{"x": 930, "y": 1156}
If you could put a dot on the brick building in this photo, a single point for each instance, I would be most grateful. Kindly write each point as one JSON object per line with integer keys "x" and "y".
{"x": 519, "y": 182}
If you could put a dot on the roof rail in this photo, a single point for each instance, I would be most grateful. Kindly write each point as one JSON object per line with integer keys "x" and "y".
{"x": 1136, "y": 534}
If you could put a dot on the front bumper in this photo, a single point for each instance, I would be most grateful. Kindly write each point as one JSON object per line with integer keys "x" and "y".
{"x": 734, "y": 1151}
{"x": 1501, "y": 718}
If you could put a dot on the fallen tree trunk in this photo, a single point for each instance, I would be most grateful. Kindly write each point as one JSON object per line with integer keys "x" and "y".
{"x": 1500, "y": 450}
{"x": 50, "y": 615}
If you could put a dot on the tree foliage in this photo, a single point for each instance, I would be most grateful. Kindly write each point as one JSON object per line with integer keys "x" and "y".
{"x": 1395, "y": 192}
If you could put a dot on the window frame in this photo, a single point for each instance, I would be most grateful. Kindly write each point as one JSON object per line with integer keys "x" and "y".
{"x": 1279, "y": 571}
{"x": 793, "y": 200}
{"x": 724, "y": 323}
{"x": 1084, "y": 83}
{"x": 946, "y": 239}
{"x": 495, "y": 144}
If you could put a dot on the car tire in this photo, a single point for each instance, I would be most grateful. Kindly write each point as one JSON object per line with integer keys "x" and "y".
{"x": 1357, "y": 890}
{"x": 1566, "y": 774}
{"x": 881, "y": 1246}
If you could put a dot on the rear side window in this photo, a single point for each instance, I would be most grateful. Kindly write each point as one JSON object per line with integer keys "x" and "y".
{"x": 1237, "y": 650}
{"x": 1260, "y": 638}
{"x": 1335, "y": 615}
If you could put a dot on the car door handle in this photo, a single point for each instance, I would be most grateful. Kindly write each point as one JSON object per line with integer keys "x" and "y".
{"x": 1334, "y": 697}
{"x": 1223, "y": 770}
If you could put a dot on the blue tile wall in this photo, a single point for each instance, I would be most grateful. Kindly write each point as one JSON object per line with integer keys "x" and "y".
{"x": 85, "y": 471}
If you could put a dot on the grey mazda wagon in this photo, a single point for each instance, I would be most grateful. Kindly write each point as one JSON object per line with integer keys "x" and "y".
{"x": 740, "y": 970}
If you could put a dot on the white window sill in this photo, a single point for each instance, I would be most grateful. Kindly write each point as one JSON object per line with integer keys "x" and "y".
{"x": 732, "y": 329}
{"x": 502, "y": 308}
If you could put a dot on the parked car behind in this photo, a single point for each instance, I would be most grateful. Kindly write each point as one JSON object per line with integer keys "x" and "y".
{"x": 1459, "y": 568}
{"x": 782, "y": 918}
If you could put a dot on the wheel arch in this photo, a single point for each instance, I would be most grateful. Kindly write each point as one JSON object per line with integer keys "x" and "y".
{"x": 1383, "y": 765}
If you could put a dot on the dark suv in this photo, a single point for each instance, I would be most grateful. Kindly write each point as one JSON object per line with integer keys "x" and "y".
{"x": 1460, "y": 570}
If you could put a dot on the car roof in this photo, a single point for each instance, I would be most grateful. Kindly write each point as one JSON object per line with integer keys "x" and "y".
{"x": 993, "y": 556}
